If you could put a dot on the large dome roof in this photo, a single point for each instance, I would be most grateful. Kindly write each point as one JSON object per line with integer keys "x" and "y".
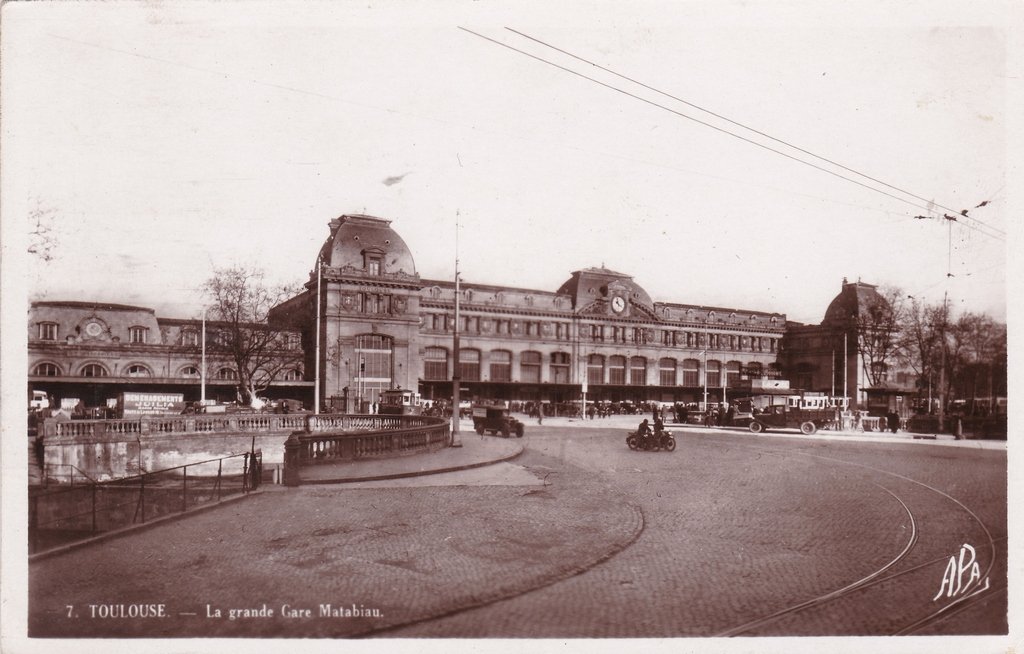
{"x": 856, "y": 299}
{"x": 591, "y": 283}
{"x": 354, "y": 237}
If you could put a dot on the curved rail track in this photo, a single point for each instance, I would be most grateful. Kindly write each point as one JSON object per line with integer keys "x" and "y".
{"x": 876, "y": 579}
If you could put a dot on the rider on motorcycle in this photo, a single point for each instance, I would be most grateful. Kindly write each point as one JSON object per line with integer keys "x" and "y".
{"x": 643, "y": 432}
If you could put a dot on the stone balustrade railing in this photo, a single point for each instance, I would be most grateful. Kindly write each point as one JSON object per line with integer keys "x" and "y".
{"x": 348, "y": 437}
{"x": 86, "y": 431}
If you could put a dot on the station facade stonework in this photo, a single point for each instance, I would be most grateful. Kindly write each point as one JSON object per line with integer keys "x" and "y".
{"x": 382, "y": 326}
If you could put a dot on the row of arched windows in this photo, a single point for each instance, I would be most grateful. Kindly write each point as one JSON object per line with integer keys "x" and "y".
{"x": 49, "y": 369}
{"x": 600, "y": 369}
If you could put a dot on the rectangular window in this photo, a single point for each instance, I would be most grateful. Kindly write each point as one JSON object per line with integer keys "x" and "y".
{"x": 714, "y": 374}
{"x": 691, "y": 373}
{"x": 595, "y": 369}
{"x": 667, "y": 372}
{"x": 48, "y": 331}
{"x": 559, "y": 367}
{"x": 529, "y": 367}
{"x": 501, "y": 366}
{"x": 617, "y": 370}
{"x": 469, "y": 365}
{"x": 638, "y": 371}
{"x": 137, "y": 334}
{"x": 435, "y": 363}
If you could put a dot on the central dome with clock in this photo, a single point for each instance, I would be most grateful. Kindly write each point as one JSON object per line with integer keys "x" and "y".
{"x": 597, "y": 288}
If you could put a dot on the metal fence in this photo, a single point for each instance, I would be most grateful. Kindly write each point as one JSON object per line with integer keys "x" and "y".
{"x": 58, "y": 516}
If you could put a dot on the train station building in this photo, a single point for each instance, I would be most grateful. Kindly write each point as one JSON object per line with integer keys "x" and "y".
{"x": 381, "y": 326}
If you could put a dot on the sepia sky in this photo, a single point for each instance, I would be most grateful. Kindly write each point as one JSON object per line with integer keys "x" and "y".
{"x": 166, "y": 139}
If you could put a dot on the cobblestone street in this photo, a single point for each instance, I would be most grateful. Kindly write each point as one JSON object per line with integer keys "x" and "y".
{"x": 577, "y": 537}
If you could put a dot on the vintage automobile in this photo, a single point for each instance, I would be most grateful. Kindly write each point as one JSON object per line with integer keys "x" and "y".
{"x": 807, "y": 421}
{"x": 495, "y": 418}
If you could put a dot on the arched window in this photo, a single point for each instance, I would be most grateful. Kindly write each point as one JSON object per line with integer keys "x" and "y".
{"x": 501, "y": 366}
{"x": 93, "y": 370}
{"x": 616, "y": 369}
{"x": 190, "y": 372}
{"x": 529, "y": 367}
{"x": 754, "y": 370}
{"x": 435, "y": 363}
{"x": 46, "y": 369}
{"x": 732, "y": 373}
{"x": 293, "y": 374}
{"x": 189, "y": 337}
{"x": 137, "y": 370}
{"x": 714, "y": 374}
{"x": 638, "y": 371}
{"x": 227, "y": 373}
{"x": 595, "y": 369}
{"x": 469, "y": 365}
{"x": 559, "y": 367}
{"x": 667, "y": 372}
{"x": 691, "y": 373}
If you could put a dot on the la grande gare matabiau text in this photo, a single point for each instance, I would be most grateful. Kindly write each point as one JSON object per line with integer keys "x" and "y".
{"x": 263, "y": 611}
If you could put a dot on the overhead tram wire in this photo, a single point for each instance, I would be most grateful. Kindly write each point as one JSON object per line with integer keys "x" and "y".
{"x": 746, "y": 127}
{"x": 719, "y": 129}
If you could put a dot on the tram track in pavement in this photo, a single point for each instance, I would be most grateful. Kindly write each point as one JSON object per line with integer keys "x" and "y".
{"x": 895, "y": 581}
{"x": 875, "y": 581}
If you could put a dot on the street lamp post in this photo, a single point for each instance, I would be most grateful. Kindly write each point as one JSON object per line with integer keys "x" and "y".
{"x": 456, "y": 377}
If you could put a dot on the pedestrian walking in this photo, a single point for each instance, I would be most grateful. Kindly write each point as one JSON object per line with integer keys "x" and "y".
{"x": 894, "y": 421}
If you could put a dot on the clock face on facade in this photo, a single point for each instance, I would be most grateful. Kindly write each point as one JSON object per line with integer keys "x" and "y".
{"x": 93, "y": 329}
{"x": 618, "y": 304}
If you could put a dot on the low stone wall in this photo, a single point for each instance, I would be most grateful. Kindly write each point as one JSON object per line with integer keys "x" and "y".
{"x": 111, "y": 449}
{"x": 358, "y": 438}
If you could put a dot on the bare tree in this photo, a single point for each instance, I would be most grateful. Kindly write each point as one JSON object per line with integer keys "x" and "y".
{"x": 241, "y": 302}
{"x": 42, "y": 238}
{"x": 878, "y": 333}
{"x": 920, "y": 337}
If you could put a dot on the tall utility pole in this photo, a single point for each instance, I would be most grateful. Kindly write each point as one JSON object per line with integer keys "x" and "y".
{"x": 942, "y": 365}
{"x": 707, "y": 344}
{"x": 202, "y": 369}
{"x": 846, "y": 365}
{"x": 456, "y": 378}
{"x": 942, "y": 331}
{"x": 316, "y": 364}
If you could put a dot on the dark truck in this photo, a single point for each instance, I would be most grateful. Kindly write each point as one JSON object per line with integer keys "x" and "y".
{"x": 495, "y": 418}
{"x": 781, "y": 416}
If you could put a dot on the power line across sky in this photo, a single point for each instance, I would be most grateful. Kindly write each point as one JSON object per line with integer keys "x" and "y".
{"x": 961, "y": 215}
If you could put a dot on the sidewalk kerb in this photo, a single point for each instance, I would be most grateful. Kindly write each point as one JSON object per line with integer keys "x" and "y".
{"x": 415, "y": 473}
